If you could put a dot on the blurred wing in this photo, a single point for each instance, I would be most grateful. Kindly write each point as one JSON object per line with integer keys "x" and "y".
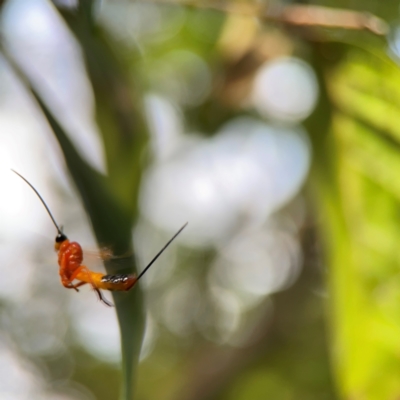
{"x": 94, "y": 259}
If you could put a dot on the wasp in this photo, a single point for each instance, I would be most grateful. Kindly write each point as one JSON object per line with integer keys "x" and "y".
{"x": 71, "y": 268}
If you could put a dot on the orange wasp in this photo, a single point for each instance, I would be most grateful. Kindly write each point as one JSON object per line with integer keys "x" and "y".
{"x": 70, "y": 258}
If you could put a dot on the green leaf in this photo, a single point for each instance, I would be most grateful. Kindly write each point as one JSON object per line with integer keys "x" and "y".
{"x": 110, "y": 202}
{"x": 112, "y": 225}
{"x": 357, "y": 190}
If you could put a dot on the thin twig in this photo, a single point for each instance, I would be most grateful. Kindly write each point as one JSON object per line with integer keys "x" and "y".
{"x": 298, "y": 15}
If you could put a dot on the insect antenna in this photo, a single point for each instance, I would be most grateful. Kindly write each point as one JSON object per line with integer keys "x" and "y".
{"x": 41, "y": 199}
{"x": 161, "y": 251}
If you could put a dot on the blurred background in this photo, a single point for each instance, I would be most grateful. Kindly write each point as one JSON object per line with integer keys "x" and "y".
{"x": 272, "y": 127}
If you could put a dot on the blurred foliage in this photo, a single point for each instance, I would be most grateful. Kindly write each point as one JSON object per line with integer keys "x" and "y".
{"x": 353, "y": 204}
{"x": 362, "y": 225}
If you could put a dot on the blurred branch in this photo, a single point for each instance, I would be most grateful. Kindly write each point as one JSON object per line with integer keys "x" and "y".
{"x": 296, "y": 15}
{"x": 304, "y": 15}
{"x": 213, "y": 368}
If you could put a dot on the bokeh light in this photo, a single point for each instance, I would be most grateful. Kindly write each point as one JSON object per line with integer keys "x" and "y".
{"x": 40, "y": 42}
{"x": 248, "y": 170}
{"x": 285, "y": 89}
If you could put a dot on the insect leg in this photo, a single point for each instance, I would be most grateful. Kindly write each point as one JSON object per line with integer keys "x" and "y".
{"x": 70, "y": 285}
{"x": 67, "y": 282}
{"x": 101, "y": 298}
{"x": 77, "y": 271}
{"x": 88, "y": 278}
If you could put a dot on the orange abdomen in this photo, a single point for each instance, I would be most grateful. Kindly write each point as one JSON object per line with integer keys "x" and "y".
{"x": 119, "y": 282}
